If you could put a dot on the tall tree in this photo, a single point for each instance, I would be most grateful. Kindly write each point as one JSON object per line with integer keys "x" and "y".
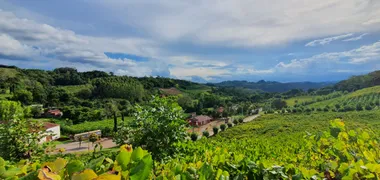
{"x": 157, "y": 127}
{"x": 19, "y": 138}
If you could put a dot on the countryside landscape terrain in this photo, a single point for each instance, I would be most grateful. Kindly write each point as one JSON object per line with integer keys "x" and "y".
{"x": 164, "y": 128}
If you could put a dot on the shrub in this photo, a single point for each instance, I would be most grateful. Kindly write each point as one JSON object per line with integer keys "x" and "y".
{"x": 223, "y": 127}
{"x": 283, "y": 111}
{"x": 236, "y": 121}
{"x": 368, "y": 107}
{"x": 326, "y": 109}
{"x": 206, "y": 134}
{"x": 215, "y": 129}
{"x": 241, "y": 120}
{"x": 229, "y": 125}
{"x": 319, "y": 109}
{"x": 359, "y": 107}
{"x": 194, "y": 136}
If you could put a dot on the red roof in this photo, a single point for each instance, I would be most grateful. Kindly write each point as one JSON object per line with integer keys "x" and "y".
{"x": 55, "y": 112}
{"x": 48, "y": 125}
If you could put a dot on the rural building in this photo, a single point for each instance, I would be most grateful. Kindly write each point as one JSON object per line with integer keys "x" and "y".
{"x": 53, "y": 129}
{"x": 54, "y": 113}
{"x": 199, "y": 120}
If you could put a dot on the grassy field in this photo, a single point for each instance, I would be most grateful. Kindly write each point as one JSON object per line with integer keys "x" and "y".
{"x": 299, "y": 99}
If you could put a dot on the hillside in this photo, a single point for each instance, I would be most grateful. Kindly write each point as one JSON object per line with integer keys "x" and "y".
{"x": 359, "y": 82}
{"x": 273, "y": 86}
{"x": 363, "y": 97}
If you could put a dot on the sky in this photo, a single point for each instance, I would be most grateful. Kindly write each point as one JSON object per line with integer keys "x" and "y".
{"x": 198, "y": 40}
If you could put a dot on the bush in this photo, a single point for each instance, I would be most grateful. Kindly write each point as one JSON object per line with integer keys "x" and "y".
{"x": 326, "y": 109}
{"x": 223, "y": 127}
{"x": 241, "y": 120}
{"x": 319, "y": 109}
{"x": 215, "y": 129}
{"x": 359, "y": 107}
{"x": 206, "y": 134}
{"x": 283, "y": 111}
{"x": 235, "y": 121}
{"x": 229, "y": 125}
{"x": 368, "y": 107}
{"x": 194, "y": 136}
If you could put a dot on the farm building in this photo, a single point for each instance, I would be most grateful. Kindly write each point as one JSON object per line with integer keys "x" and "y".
{"x": 199, "y": 120}
{"x": 52, "y": 128}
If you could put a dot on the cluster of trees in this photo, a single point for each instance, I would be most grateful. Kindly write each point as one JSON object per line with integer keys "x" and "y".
{"x": 359, "y": 82}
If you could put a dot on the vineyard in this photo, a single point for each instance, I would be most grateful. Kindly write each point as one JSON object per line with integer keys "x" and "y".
{"x": 273, "y": 147}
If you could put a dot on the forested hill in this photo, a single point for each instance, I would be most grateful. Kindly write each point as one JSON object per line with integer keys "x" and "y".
{"x": 359, "y": 82}
{"x": 273, "y": 86}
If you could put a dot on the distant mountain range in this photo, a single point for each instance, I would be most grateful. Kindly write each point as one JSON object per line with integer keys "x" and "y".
{"x": 273, "y": 86}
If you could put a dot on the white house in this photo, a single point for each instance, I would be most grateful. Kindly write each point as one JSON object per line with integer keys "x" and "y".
{"x": 53, "y": 129}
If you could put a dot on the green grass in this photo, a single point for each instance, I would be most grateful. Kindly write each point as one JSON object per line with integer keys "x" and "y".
{"x": 299, "y": 99}
{"x": 75, "y": 88}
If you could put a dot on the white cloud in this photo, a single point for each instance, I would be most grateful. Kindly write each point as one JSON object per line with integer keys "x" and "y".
{"x": 327, "y": 40}
{"x": 26, "y": 39}
{"x": 247, "y": 23}
{"x": 362, "y": 55}
{"x": 356, "y": 38}
{"x": 11, "y": 48}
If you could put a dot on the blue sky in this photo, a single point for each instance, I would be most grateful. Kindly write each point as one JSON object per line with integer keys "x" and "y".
{"x": 195, "y": 40}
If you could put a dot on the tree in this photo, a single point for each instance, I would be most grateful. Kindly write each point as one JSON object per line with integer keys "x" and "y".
{"x": 278, "y": 103}
{"x": 112, "y": 110}
{"x": 157, "y": 127}
{"x": 19, "y": 138}
{"x": 24, "y": 96}
{"x": 194, "y": 136}
{"x": 215, "y": 130}
{"x": 223, "y": 127}
{"x": 206, "y": 134}
{"x": 93, "y": 138}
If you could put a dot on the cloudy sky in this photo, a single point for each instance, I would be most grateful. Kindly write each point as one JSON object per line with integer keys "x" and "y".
{"x": 199, "y": 40}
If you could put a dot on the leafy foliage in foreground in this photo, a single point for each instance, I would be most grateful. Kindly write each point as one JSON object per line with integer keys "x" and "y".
{"x": 335, "y": 154}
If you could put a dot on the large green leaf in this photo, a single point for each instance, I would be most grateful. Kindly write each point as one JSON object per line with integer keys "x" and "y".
{"x": 137, "y": 154}
{"x": 143, "y": 169}
{"x": 87, "y": 174}
{"x": 123, "y": 159}
{"x": 74, "y": 166}
{"x": 95, "y": 163}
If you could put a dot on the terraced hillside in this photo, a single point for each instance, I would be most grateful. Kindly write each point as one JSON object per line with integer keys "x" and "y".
{"x": 367, "y": 97}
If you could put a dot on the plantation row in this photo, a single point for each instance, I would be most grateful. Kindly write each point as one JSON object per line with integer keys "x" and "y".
{"x": 338, "y": 153}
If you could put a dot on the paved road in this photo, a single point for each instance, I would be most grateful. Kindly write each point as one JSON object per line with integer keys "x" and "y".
{"x": 74, "y": 146}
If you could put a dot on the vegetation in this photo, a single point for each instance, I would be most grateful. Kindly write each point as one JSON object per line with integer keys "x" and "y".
{"x": 157, "y": 127}
{"x": 291, "y": 140}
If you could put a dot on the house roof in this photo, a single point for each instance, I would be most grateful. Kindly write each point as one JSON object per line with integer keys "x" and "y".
{"x": 202, "y": 118}
{"x": 48, "y": 125}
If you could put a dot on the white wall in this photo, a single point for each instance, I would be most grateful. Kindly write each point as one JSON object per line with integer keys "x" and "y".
{"x": 56, "y": 131}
